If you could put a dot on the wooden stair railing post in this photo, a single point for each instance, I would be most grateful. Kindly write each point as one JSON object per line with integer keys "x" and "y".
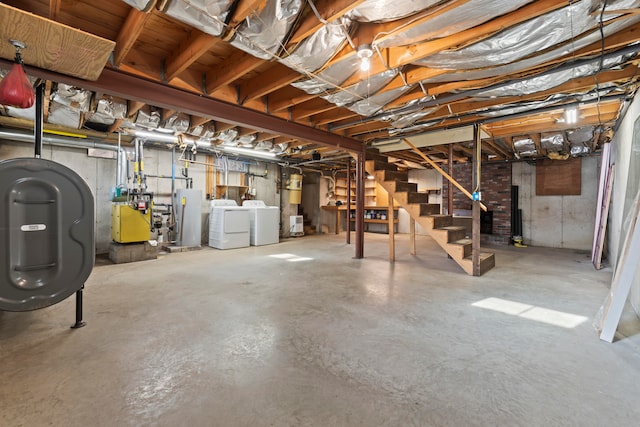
{"x": 412, "y": 236}
{"x": 442, "y": 172}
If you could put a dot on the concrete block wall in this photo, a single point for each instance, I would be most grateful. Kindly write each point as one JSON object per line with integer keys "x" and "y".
{"x": 557, "y": 221}
{"x": 496, "y": 195}
{"x": 100, "y": 175}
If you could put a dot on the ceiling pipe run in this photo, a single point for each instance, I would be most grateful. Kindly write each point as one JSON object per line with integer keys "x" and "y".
{"x": 128, "y": 86}
{"x": 59, "y": 141}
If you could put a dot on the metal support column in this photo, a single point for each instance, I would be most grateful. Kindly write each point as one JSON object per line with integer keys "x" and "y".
{"x": 390, "y": 225}
{"x": 360, "y": 205}
{"x": 348, "y": 203}
{"x": 449, "y": 183}
{"x": 475, "y": 229}
{"x": 37, "y": 127}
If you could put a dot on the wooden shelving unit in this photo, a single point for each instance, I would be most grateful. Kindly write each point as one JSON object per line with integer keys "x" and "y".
{"x": 371, "y": 191}
{"x": 376, "y": 215}
{"x": 222, "y": 189}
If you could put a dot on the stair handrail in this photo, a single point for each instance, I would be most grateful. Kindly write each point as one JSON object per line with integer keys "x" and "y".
{"x": 442, "y": 172}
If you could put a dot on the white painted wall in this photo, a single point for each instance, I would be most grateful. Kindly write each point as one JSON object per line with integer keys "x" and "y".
{"x": 620, "y": 155}
{"x": 557, "y": 221}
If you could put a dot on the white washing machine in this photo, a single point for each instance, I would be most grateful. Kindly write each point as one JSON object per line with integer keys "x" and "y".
{"x": 265, "y": 222}
{"x": 229, "y": 225}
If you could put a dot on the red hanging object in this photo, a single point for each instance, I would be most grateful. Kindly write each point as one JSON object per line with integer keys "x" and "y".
{"x": 15, "y": 88}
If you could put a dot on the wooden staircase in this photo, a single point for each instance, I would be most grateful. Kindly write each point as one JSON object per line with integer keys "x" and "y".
{"x": 440, "y": 227}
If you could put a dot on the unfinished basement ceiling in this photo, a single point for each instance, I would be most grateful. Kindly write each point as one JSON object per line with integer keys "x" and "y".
{"x": 514, "y": 66}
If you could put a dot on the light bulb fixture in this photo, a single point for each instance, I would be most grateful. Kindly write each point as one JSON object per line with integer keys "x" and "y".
{"x": 571, "y": 115}
{"x": 365, "y": 53}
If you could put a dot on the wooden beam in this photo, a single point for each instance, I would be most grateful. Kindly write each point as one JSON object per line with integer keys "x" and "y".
{"x": 329, "y": 10}
{"x": 133, "y": 107}
{"x": 116, "y": 125}
{"x": 54, "y": 9}
{"x": 197, "y": 121}
{"x": 128, "y": 34}
{"x": 287, "y": 97}
{"x": 47, "y": 100}
{"x": 190, "y": 50}
{"x": 331, "y": 116}
{"x": 311, "y": 107}
{"x": 399, "y": 56}
{"x": 276, "y": 77}
{"x": 166, "y": 113}
{"x": 234, "y": 67}
{"x": 384, "y": 31}
{"x": 243, "y": 9}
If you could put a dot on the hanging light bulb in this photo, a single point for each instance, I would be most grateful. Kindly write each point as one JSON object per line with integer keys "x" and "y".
{"x": 571, "y": 115}
{"x": 365, "y": 53}
{"x": 15, "y": 88}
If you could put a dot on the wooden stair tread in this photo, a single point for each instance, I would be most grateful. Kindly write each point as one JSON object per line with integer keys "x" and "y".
{"x": 461, "y": 242}
{"x": 483, "y": 256}
{"x": 452, "y": 239}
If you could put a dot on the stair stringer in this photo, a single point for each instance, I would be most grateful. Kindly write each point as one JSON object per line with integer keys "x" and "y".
{"x": 459, "y": 249}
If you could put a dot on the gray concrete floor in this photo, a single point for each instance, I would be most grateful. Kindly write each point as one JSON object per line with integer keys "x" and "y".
{"x": 301, "y": 334}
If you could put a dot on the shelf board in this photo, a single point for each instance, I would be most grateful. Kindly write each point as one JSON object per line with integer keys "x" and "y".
{"x": 376, "y": 221}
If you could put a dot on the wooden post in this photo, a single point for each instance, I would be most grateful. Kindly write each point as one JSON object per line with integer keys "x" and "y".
{"x": 392, "y": 231}
{"x": 348, "y": 203}
{"x": 449, "y": 183}
{"x": 412, "y": 236}
{"x": 360, "y": 205}
{"x": 475, "y": 213}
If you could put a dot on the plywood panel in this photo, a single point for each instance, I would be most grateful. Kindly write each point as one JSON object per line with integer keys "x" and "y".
{"x": 53, "y": 46}
{"x": 559, "y": 177}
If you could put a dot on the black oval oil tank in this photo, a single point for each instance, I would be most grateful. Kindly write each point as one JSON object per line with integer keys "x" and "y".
{"x": 47, "y": 245}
